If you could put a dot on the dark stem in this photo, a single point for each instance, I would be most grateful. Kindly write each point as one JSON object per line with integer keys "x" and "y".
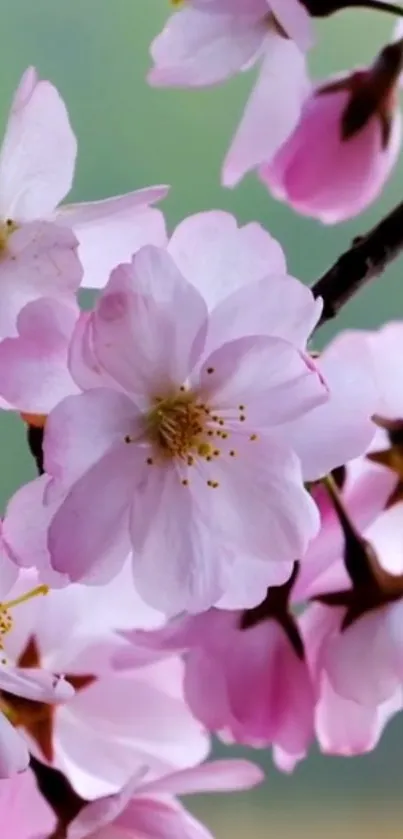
{"x": 324, "y": 8}
{"x": 367, "y": 258}
{"x": 35, "y": 443}
{"x": 391, "y": 8}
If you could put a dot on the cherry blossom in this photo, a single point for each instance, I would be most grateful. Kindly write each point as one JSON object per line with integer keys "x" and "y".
{"x": 246, "y": 675}
{"x": 114, "y": 721}
{"x": 183, "y": 436}
{"x": 37, "y": 161}
{"x": 345, "y": 145}
{"x": 207, "y": 41}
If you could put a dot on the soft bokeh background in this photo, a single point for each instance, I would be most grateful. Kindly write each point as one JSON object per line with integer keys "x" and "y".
{"x": 96, "y": 52}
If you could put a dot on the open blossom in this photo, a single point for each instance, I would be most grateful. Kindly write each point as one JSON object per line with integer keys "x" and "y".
{"x": 114, "y": 721}
{"x": 207, "y": 41}
{"x": 187, "y": 438}
{"x": 345, "y": 145}
{"x": 37, "y": 161}
{"x": 132, "y": 350}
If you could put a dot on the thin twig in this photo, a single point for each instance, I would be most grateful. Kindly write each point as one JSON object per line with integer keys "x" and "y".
{"x": 367, "y": 258}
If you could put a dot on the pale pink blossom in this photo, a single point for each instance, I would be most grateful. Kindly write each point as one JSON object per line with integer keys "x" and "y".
{"x": 207, "y": 41}
{"x": 115, "y": 721}
{"x": 150, "y": 809}
{"x": 339, "y": 156}
{"x": 246, "y": 676}
{"x": 37, "y": 161}
{"x": 24, "y": 813}
{"x": 190, "y": 483}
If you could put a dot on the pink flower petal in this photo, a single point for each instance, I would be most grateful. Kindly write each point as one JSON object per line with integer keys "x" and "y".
{"x": 166, "y": 521}
{"x": 218, "y": 257}
{"x": 273, "y": 109}
{"x": 111, "y": 231}
{"x": 27, "y": 544}
{"x": 14, "y": 755}
{"x": 38, "y": 154}
{"x": 260, "y": 505}
{"x": 85, "y": 427}
{"x": 213, "y": 776}
{"x": 34, "y": 375}
{"x": 141, "y": 336}
{"x": 197, "y": 48}
{"x": 41, "y": 261}
{"x": 88, "y": 536}
{"x": 295, "y": 20}
{"x": 35, "y": 818}
{"x": 341, "y": 428}
{"x": 272, "y": 379}
{"x": 34, "y": 684}
{"x": 258, "y": 309}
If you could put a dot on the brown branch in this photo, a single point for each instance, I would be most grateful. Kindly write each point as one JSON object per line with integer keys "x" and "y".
{"x": 367, "y": 258}
{"x": 35, "y": 444}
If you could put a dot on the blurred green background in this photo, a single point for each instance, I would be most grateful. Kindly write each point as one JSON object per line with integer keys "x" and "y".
{"x": 96, "y": 53}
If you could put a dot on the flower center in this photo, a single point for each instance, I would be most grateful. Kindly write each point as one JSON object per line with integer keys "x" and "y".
{"x": 177, "y": 425}
{"x": 7, "y": 227}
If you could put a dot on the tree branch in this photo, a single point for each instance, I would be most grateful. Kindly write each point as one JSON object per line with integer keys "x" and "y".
{"x": 35, "y": 443}
{"x": 367, "y": 258}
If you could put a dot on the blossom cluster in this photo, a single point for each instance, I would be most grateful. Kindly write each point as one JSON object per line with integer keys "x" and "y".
{"x": 213, "y": 544}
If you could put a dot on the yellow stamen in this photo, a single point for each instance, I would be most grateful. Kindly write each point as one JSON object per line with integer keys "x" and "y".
{"x": 6, "y": 229}
{"x": 35, "y": 592}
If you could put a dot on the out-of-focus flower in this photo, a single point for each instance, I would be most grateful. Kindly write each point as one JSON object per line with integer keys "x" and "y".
{"x": 345, "y": 145}
{"x": 207, "y": 41}
{"x": 115, "y": 721}
{"x": 17, "y": 682}
{"x": 246, "y": 676}
{"x": 37, "y": 162}
{"x": 150, "y": 809}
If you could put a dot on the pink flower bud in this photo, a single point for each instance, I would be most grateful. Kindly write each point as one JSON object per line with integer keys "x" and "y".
{"x": 346, "y": 143}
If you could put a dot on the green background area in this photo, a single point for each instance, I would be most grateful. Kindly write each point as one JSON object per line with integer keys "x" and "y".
{"x": 96, "y": 52}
